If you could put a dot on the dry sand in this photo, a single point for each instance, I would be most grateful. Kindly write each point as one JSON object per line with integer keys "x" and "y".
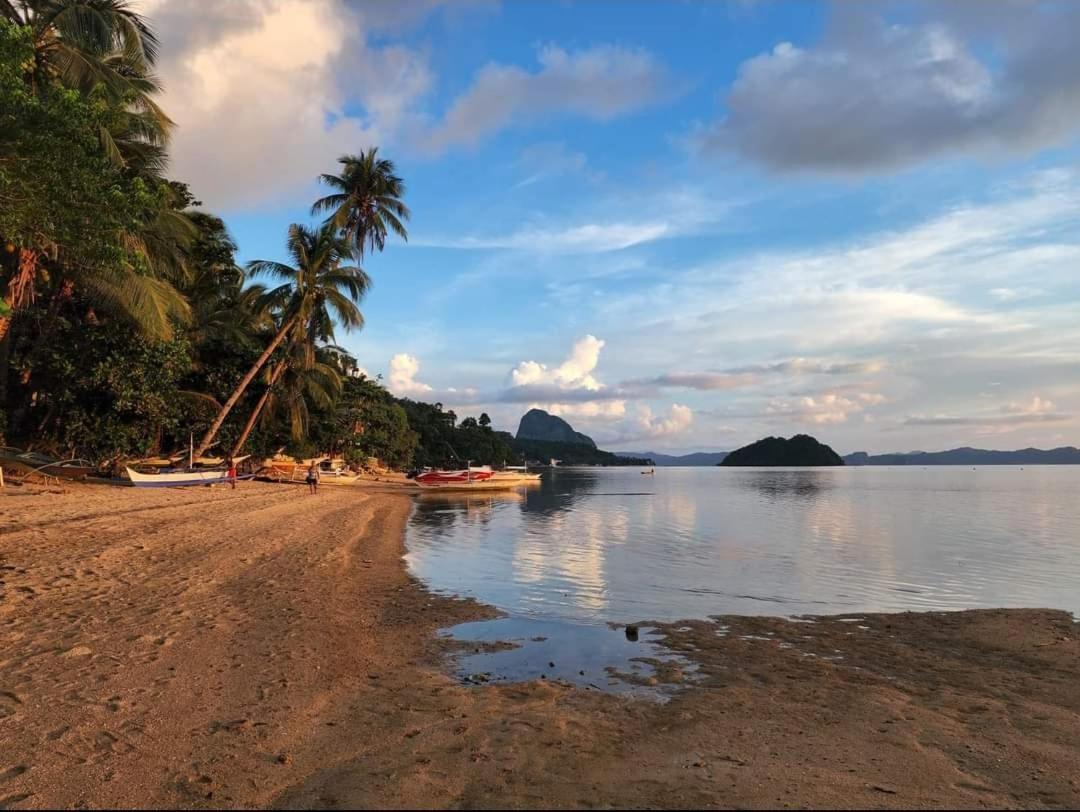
{"x": 258, "y": 647}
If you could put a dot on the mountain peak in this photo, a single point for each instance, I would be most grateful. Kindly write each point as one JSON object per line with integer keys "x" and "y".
{"x": 536, "y": 424}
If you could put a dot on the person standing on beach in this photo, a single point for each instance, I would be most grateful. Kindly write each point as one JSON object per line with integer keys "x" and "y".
{"x": 231, "y": 466}
{"x": 313, "y": 477}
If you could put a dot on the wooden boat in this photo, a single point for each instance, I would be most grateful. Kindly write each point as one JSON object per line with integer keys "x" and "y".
{"x": 180, "y": 478}
{"x": 177, "y": 479}
{"x": 29, "y": 463}
{"x": 515, "y": 475}
{"x": 462, "y": 477}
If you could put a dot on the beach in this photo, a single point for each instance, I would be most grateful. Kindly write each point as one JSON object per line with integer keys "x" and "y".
{"x": 262, "y": 647}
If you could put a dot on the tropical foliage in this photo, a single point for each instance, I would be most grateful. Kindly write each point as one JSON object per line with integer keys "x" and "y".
{"x": 127, "y": 326}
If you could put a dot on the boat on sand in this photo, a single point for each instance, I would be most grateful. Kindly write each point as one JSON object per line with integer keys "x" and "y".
{"x": 24, "y": 464}
{"x": 177, "y": 479}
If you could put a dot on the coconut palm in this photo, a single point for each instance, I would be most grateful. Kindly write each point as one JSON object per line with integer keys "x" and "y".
{"x": 305, "y": 376}
{"x": 90, "y": 45}
{"x": 315, "y": 291}
{"x": 87, "y": 43}
{"x": 366, "y": 202}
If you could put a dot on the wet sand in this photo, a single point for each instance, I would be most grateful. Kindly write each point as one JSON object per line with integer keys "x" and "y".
{"x": 260, "y": 647}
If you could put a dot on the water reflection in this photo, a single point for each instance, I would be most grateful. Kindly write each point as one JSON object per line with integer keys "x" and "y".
{"x": 592, "y": 546}
{"x": 784, "y": 483}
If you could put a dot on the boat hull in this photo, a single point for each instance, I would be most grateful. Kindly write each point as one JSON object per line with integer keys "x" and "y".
{"x": 445, "y": 479}
{"x": 178, "y": 479}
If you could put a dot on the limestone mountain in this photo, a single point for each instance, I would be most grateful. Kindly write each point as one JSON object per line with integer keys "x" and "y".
{"x": 536, "y": 424}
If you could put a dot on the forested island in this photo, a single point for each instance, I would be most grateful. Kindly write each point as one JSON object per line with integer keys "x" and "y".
{"x": 800, "y": 450}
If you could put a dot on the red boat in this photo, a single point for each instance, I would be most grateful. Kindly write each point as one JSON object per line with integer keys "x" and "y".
{"x": 465, "y": 476}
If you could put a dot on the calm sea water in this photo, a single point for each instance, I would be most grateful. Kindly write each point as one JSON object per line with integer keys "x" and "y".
{"x": 597, "y": 546}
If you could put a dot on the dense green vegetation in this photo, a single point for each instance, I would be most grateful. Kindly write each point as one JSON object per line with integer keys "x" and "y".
{"x": 126, "y": 325}
{"x": 800, "y": 450}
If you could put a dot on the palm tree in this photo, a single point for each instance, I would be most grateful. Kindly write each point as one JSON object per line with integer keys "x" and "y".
{"x": 87, "y": 43}
{"x": 305, "y": 375}
{"x": 366, "y": 201}
{"x": 317, "y": 286}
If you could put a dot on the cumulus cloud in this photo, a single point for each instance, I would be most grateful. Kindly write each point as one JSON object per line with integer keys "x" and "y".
{"x": 576, "y": 372}
{"x": 678, "y": 419}
{"x": 823, "y": 409}
{"x": 600, "y": 83}
{"x": 402, "y": 378}
{"x": 595, "y": 409}
{"x": 265, "y": 92}
{"x": 876, "y": 95}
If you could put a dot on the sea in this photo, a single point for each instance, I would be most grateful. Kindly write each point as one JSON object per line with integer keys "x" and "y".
{"x": 571, "y": 562}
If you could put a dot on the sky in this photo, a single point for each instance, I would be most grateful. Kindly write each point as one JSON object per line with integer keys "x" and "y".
{"x": 681, "y": 226}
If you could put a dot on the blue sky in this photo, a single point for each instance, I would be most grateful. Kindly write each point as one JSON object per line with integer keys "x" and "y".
{"x": 682, "y": 226}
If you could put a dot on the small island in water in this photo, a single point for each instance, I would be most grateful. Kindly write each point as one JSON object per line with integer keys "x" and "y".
{"x": 800, "y": 450}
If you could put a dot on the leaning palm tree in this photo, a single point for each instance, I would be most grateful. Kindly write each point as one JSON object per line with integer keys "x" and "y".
{"x": 307, "y": 375}
{"x": 366, "y": 202}
{"x": 317, "y": 286}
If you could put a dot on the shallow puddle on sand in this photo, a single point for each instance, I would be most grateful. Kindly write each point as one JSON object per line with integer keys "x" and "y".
{"x": 591, "y": 657}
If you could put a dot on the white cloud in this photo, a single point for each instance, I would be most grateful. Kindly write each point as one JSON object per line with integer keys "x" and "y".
{"x": 597, "y": 409}
{"x": 1037, "y": 406}
{"x": 265, "y": 93}
{"x": 573, "y": 373}
{"x": 876, "y": 95}
{"x": 649, "y": 426}
{"x": 1009, "y": 416}
{"x": 600, "y": 83}
{"x": 402, "y": 378}
{"x": 823, "y": 409}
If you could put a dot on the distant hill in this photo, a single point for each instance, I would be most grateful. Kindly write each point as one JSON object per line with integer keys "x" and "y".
{"x": 1066, "y": 455}
{"x": 536, "y": 424}
{"x": 800, "y": 450}
{"x": 542, "y": 451}
{"x": 697, "y": 458}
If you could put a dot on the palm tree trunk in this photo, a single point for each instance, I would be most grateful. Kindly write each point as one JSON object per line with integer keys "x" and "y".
{"x": 215, "y": 427}
{"x": 257, "y": 410}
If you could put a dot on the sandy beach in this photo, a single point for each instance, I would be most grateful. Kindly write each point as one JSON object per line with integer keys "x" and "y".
{"x": 260, "y": 647}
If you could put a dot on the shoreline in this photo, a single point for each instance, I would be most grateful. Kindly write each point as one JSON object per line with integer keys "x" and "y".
{"x": 264, "y": 648}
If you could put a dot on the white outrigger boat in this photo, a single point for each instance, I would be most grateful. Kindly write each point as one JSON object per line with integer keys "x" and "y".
{"x": 515, "y": 473}
{"x": 176, "y": 479}
{"x": 173, "y": 478}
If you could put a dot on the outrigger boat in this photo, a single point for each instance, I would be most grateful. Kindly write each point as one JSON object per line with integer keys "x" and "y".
{"x": 177, "y": 479}
{"x": 463, "y": 477}
{"x": 515, "y": 473}
{"x": 29, "y": 463}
